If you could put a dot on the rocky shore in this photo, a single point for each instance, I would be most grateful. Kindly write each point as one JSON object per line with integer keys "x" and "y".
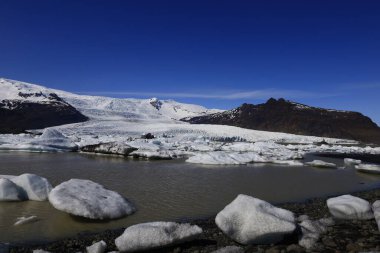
{"x": 343, "y": 236}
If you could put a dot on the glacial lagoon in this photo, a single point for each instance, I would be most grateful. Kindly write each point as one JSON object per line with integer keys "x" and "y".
{"x": 162, "y": 190}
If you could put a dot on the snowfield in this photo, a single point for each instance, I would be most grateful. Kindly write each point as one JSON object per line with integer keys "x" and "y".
{"x": 125, "y": 121}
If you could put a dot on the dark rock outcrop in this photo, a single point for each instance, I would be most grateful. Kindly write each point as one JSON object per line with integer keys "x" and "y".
{"x": 16, "y": 116}
{"x": 289, "y": 117}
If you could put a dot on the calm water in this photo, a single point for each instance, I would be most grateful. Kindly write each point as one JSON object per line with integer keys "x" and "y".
{"x": 161, "y": 190}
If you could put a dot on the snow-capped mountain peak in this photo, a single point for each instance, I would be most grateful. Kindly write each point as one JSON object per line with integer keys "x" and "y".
{"x": 102, "y": 108}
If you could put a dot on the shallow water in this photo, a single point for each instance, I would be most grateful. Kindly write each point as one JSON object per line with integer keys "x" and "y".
{"x": 161, "y": 190}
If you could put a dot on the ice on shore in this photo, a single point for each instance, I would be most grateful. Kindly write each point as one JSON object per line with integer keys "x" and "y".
{"x": 321, "y": 164}
{"x": 249, "y": 220}
{"x": 90, "y": 200}
{"x": 376, "y": 212}
{"x": 35, "y": 187}
{"x": 368, "y": 168}
{"x": 312, "y": 230}
{"x": 9, "y": 191}
{"x": 98, "y": 247}
{"x": 153, "y": 235}
{"x": 350, "y": 208}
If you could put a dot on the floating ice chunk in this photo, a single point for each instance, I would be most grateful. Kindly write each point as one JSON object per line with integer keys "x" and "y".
{"x": 229, "y": 249}
{"x": 288, "y": 162}
{"x": 321, "y": 164}
{"x": 52, "y": 139}
{"x": 351, "y": 162}
{"x": 98, "y": 247}
{"x": 9, "y": 191}
{"x": 36, "y": 187}
{"x": 90, "y": 200}
{"x": 115, "y": 148}
{"x": 350, "y": 207}
{"x": 25, "y": 220}
{"x": 148, "y": 236}
{"x": 249, "y": 220}
{"x": 221, "y": 157}
{"x": 368, "y": 168}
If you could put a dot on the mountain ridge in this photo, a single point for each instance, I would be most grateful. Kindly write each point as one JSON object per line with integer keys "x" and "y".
{"x": 290, "y": 117}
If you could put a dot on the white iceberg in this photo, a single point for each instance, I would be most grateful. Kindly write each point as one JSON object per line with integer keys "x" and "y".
{"x": 368, "y": 168}
{"x": 376, "y": 212}
{"x": 351, "y": 162}
{"x": 98, "y": 247}
{"x": 54, "y": 139}
{"x": 24, "y": 220}
{"x": 321, "y": 164}
{"x": 90, "y": 200}
{"x": 9, "y": 191}
{"x": 153, "y": 235}
{"x": 36, "y": 187}
{"x": 249, "y": 220}
{"x": 115, "y": 148}
{"x": 221, "y": 157}
{"x": 350, "y": 207}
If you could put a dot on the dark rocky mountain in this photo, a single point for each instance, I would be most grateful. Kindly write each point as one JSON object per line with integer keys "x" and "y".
{"x": 289, "y": 117}
{"x": 18, "y": 115}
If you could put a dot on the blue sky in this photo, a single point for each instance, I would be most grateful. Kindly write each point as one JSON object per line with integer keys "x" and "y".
{"x": 215, "y": 53}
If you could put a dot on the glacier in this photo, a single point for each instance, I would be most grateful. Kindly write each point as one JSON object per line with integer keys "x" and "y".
{"x": 125, "y": 121}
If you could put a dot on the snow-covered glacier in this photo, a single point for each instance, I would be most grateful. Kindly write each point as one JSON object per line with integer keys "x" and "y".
{"x": 127, "y": 121}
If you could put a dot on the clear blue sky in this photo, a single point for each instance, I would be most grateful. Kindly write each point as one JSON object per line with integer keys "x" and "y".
{"x": 215, "y": 53}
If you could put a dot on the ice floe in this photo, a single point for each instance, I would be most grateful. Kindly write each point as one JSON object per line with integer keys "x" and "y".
{"x": 312, "y": 230}
{"x": 24, "y": 220}
{"x": 9, "y": 191}
{"x": 90, "y": 200}
{"x": 321, "y": 164}
{"x": 148, "y": 236}
{"x": 368, "y": 168}
{"x": 98, "y": 247}
{"x": 35, "y": 187}
{"x": 351, "y": 162}
{"x": 114, "y": 148}
{"x": 249, "y": 220}
{"x": 350, "y": 207}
